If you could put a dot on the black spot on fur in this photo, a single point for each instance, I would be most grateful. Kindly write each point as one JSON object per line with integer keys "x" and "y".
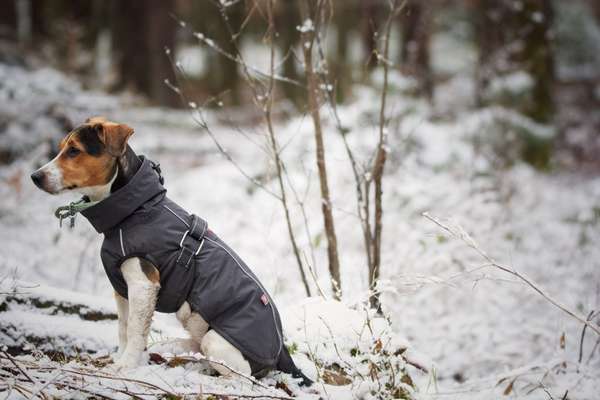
{"x": 88, "y": 136}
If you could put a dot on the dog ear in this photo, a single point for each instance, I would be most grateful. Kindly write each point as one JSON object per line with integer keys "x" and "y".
{"x": 96, "y": 119}
{"x": 114, "y": 136}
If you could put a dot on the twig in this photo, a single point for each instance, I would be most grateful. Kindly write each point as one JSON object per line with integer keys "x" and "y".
{"x": 263, "y": 98}
{"x": 589, "y": 318}
{"x": 379, "y": 164}
{"x": 14, "y": 362}
{"x": 251, "y": 379}
{"x": 278, "y": 162}
{"x": 593, "y": 350}
{"x": 464, "y": 236}
{"x": 155, "y": 389}
{"x": 310, "y": 13}
{"x": 301, "y": 205}
{"x": 211, "y": 43}
{"x": 198, "y": 117}
{"x": 362, "y": 192}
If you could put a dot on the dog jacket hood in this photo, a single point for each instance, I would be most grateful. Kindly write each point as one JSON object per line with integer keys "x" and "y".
{"x": 139, "y": 220}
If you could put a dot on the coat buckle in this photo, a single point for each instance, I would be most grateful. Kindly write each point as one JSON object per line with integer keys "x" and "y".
{"x": 181, "y": 246}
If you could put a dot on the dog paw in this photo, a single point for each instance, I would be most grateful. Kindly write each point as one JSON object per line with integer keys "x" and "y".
{"x": 126, "y": 361}
{"x": 116, "y": 356}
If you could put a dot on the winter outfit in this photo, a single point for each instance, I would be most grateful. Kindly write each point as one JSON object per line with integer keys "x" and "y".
{"x": 139, "y": 220}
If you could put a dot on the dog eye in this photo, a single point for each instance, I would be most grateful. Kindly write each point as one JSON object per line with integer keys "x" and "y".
{"x": 73, "y": 151}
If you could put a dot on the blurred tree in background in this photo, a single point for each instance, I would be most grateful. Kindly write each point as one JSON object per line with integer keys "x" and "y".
{"x": 537, "y": 57}
{"x": 416, "y": 32}
{"x": 514, "y": 37}
{"x": 140, "y": 32}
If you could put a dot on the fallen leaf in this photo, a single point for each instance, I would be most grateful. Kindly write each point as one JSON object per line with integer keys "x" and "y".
{"x": 156, "y": 358}
{"x": 509, "y": 388}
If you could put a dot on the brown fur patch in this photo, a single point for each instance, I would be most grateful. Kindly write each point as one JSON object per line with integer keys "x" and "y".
{"x": 95, "y": 120}
{"x": 83, "y": 170}
{"x": 112, "y": 134}
{"x": 115, "y": 136}
{"x": 86, "y": 170}
{"x": 150, "y": 271}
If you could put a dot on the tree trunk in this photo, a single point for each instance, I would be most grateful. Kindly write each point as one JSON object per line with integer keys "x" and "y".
{"x": 227, "y": 75}
{"x": 24, "y": 14}
{"x": 517, "y": 37}
{"x": 537, "y": 56}
{"x": 140, "y": 33}
{"x": 308, "y": 39}
{"x": 487, "y": 16}
{"x": 161, "y": 31}
{"x": 370, "y": 28}
{"x": 289, "y": 18}
{"x": 595, "y": 5}
{"x": 416, "y": 35}
{"x": 345, "y": 20}
{"x": 8, "y": 20}
{"x": 378, "y": 168}
{"x": 129, "y": 45}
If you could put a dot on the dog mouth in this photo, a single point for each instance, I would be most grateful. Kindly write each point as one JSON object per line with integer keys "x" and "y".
{"x": 48, "y": 185}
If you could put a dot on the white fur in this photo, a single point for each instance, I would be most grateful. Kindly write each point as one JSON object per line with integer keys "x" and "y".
{"x": 135, "y": 316}
{"x": 142, "y": 294}
{"x": 99, "y": 192}
{"x": 216, "y": 347}
{"x": 193, "y": 323}
{"x": 53, "y": 175}
{"x": 212, "y": 344}
{"x": 135, "y": 313}
{"x": 54, "y": 182}
{"x": 123, "y": 313}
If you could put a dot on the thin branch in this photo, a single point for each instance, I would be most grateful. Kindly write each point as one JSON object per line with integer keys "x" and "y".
{"x": 357, "y": 174}
{"x": 211, "y": 43}
{"x": 263, "y": 98}
{"x": 301, "y": 205}
{"x": 151, "y": 389}
{"x": 380, "y": 160}
{"x": 464, "y": 236}
{"x": 589, "y": 318}
{"x": 198, "y": 117}
{"x": 29, "y": 378}
{"x": 308, "y": 33}
{"x": 196, "y": 359}
{"x": 278, "y": 162}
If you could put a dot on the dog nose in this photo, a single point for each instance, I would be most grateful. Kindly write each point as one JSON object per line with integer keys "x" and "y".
{"x": 38, "y": 178}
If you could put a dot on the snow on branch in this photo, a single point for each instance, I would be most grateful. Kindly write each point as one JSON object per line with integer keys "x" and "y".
{"x": 42, "y": 379}
{"x": 458, "y": 232}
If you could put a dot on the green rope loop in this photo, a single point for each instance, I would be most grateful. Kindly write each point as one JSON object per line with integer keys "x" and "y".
{"x": 71, "y": 210}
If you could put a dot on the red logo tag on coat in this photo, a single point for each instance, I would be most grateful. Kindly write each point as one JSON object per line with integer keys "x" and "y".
{"x": 264, "y": 299}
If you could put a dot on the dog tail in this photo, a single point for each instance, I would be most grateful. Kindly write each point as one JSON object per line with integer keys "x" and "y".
{"x": 286, "y": 364}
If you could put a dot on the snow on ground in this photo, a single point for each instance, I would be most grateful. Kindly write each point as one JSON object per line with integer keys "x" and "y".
{"x": 481, "y": 333}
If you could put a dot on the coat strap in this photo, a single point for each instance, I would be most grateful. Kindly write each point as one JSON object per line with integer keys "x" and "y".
{"x": 192, "y": 241}
{"x": 198, "y": 227}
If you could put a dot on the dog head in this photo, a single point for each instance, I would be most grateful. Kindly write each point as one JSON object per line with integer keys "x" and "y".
{"x": 87, "y": 157}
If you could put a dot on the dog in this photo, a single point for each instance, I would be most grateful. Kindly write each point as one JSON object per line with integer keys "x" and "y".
{"x": 159, "y": 257}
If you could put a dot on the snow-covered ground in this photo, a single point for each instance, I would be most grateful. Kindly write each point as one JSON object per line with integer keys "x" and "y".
{"x": 481, "y": 333}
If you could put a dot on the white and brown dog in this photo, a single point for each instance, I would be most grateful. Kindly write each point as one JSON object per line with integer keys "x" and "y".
{"x": 95, "y": 160}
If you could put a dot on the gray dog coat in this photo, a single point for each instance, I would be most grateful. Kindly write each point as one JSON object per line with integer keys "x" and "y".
{"x": 195, "y": 265}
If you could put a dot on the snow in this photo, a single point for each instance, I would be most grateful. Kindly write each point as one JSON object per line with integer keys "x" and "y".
{"x": 307, "y": 26}
{"x": 514, "y": 83}
{"x": 41, "y": 93}
{"x": 474, "y": 328}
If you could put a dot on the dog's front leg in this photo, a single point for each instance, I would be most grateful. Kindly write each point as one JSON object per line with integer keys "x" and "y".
{"x": 142, "y": 291}
{"x": 123, "y": 313}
